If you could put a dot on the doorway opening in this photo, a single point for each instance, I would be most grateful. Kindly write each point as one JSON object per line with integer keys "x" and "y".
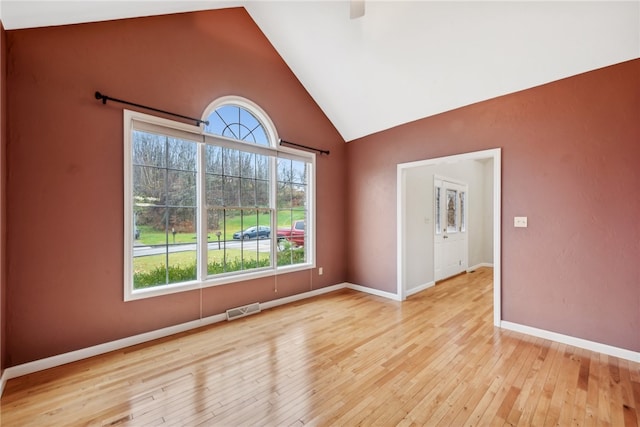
{"x": 416, "y": 213}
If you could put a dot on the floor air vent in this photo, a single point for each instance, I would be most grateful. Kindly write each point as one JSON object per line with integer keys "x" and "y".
{"x": 236, "y": 313}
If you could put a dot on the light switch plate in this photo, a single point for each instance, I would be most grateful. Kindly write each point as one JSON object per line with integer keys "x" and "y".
{"x": 520, "y": 221}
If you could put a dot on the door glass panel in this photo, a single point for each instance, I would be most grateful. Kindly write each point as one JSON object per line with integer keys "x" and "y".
{"x": 463, "y": 223}
{"x": 438, "y": 211}
{"x": 452, "y": 202}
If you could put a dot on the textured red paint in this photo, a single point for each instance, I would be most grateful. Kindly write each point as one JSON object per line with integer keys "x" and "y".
{"x": 65, "y": 168}
{"x": 3, "y": 204}
{"x": 570, "y": 153}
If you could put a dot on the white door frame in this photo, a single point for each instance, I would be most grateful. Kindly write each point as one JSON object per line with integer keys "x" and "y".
{"x": 494, "y": 154}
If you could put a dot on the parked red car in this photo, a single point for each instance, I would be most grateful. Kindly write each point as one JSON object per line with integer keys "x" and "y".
{"x": 294, "y": 234}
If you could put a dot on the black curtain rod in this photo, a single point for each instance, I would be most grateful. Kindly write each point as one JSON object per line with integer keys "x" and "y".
{"x": 282, "y": 141}
{"x": 106, "y": 98}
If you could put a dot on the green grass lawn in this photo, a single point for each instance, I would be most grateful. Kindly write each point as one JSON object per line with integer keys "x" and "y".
{"x": 151, "y": 270}
{"x": 151, "y": 236}
{"x": 186, "y": 258}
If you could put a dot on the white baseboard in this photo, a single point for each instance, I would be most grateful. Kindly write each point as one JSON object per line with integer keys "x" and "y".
{"x": 415, "y": 290}
{"x": 3, "y": 381}
{"x": 482, "y": 264}
{"x": 74, "y": 356}
{"x": 372, "y": 291}
{"x": 298, "y": 297}
{"x": 576, "y": 342}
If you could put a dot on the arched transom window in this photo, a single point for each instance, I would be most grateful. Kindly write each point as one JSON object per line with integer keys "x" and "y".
{"x": 240, "y": 119}
{"x": 235, "y": 122}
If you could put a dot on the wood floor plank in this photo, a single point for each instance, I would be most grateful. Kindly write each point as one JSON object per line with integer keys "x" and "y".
{"x": 509, "y": 368}
{"x": 563, "y": 400}
{"x": 543, "y": 409}
{"x": 579, "y": 407}
{"x": 630, "y": 401}
{"x": 604, "y": 398}
{"x": 344, "y": 358}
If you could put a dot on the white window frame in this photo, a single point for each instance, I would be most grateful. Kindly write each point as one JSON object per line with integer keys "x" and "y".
{"x": 140, "y": 121}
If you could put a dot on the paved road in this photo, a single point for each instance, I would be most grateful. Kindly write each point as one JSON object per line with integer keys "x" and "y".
{"x": 264, "y": 245}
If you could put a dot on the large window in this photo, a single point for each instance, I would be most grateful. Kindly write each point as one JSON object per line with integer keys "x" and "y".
{"x": 214, "y": 204}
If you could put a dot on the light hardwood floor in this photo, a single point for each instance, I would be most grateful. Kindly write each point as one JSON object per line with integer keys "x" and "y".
{"x": 344, "y": 358}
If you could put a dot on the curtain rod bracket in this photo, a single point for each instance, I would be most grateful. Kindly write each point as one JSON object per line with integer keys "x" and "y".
{"x": 318, "y": 150}
{"x": 106, "y": 98}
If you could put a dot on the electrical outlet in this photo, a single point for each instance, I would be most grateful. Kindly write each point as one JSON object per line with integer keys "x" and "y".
{"x": 320, "y": 271}
{"x": 520, "y": 221}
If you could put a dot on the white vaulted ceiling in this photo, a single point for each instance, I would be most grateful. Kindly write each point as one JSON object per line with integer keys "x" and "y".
{"x": 403, "y": 60}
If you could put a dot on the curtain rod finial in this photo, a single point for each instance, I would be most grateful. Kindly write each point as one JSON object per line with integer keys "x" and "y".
{"x": 98, "y": 95}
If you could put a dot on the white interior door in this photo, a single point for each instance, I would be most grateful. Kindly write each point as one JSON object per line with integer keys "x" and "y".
{"x": 450, "y": 233}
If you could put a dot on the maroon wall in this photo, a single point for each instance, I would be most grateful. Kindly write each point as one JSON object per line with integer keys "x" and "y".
{"x": 570, "y": 162}
{"x": 64, "y": 190}
{"x": 3, "y": 216}
{"x": 570, "y": 154}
